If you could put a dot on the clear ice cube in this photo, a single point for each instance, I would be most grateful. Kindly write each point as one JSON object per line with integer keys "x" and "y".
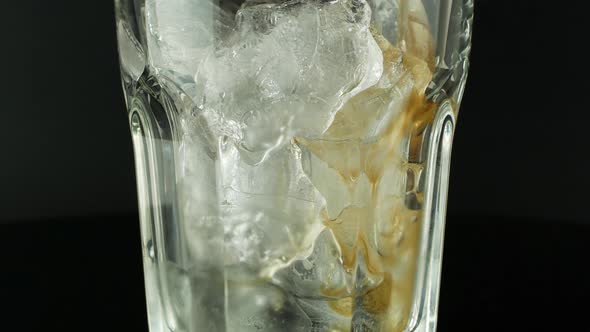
{"x": 287, "y": 69}
{"x": 270, "y": 205}
{"x": 257, "y": 306}
{"x": 180, "y": 33}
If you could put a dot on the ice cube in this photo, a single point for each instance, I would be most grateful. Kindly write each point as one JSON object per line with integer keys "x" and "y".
{"x": 327, "y": 179}
{"x": 325, "y": 315}
{"x": 270, "y": 205}
{"x": 198, "y": 200}
{"x": 385, "y": 15}
{"x": 132, "y": 54}
{"x": 287, "y": 69}
{"x": 319, "y": 275}
{"x": 417, "y": 36}
{"x": 180, "y": 33}
{"x": 256, "y": 306}
{"x": 208, "y": 305}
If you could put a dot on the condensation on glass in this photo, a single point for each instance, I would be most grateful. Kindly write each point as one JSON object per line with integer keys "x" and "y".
{"x": 292, "y": 158}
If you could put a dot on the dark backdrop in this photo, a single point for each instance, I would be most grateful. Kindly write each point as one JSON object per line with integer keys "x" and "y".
{"x": 520, "y": 149}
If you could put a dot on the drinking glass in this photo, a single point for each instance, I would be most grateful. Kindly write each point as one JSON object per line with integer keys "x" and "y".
{"x": 292, "y": 158}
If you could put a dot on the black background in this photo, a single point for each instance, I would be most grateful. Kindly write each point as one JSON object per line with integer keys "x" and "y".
{"x": 518, "y": 226}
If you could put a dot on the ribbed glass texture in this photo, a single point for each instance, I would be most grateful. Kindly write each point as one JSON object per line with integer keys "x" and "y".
{"x": 292, "y": 158}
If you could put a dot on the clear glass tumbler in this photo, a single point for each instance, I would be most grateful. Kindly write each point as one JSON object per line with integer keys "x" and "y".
{"x": 292, "y": 158}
